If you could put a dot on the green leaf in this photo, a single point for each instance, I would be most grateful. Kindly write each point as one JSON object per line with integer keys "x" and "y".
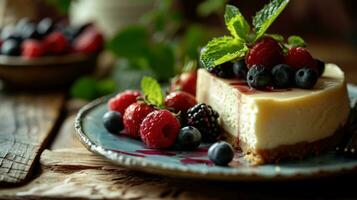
{"x": 236, "y": 23}
{"x": 84, "y": 88}
{"x": 296, "y": 41}
{"x": 276, "y": 37}
{"x": 152, "y": 91}
{"x": 266, "y": 16}
{"x": 210, "y": 6}
{"x": 105, "y": 86}
{"x": 162, "y": 61}
{"x": 221, "y": 50}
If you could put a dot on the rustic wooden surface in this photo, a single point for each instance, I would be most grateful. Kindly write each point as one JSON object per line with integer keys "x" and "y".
{"x": 26, "y": 122}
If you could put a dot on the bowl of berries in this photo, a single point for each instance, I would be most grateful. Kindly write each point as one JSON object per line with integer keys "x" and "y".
{"x": 47, "y": 54}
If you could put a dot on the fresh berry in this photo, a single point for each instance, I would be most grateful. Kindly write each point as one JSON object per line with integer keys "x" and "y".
{"x": 90, "y": 41}
{"x": 32, "y": 48}
{"x": 29, "y": 31}
{"x": 283, "y": 76}
{"x": 13, "y": 36}
{"x": 56, "y": 43}
{"x": 185, "y": 82}
{"x": 221, "y": 153}
{"x": 240, "y": 69}
{"x": 123, "y": 100}
{"x": 113, "y": 121}
{"x": 45, "y": 26}
{"x": 266, "y": 51}
{"x": 180, "y": 101}
{"x": 189, "y": 138}
{"x": 306, "y": 78}
{"x": 21, "y": 24}
{"x": 159, "y": 129}
{"x": 259, "y": 77}
{"x": 204, "y": 118}
{"x": 7, "y": 32}
{"x": 320, "y": 66}
{"x": 133, "y": 116}
{"x": 10, "y": 48}
{"x": 299, "y": 57}
{"x": 224, "y": 70}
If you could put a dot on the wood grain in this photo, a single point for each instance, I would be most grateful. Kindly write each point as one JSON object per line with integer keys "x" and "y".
{"x": 25, "y": 124}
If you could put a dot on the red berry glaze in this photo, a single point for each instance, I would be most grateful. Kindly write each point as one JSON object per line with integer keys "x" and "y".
{"x": 122, "y": 100}
{"x": 159, "y": 129}
{"x": 133, "y": 116}
{"x": 299, "y": 57}
{"x": 90, "y": 41}
{"x": 185, "y": 82}
{"x": 266, "y": 51}
{"x": 180, "y": 101}
{"x": 33, "y": 48}
{"x": 56, "y": 43}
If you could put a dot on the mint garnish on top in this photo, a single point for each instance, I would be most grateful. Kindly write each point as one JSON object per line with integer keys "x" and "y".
{"x": 152, "y": 92}
{"x": 227, "y": 48}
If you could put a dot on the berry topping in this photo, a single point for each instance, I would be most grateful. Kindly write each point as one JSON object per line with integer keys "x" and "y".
{"x": 10, "y": 47}
{"x": 204, "y": 118}
{"x": 121, "y": 101}
{"x": 221, "y": 153}
{"x": 320, "y": 66}
{"x": 90, "y": 41}
{"x": 240, "y": 69}
{"x": 45, "y": 26}
{"x": 29, "y": 30}
{"x": 259, "y": 77}
{"x": 306, "y": 78}
{"x": 189, "y": 138}
{"x": 283, "y": 76}
{"x": 224, "y": 70}
{"x": 266, "y": 51}
{"x": 113, "y": 121}
{"x": 180, "y": 101}
{"x": 185, "y": 82}
{"x": 56, "y": 43}
{"x": 299, "y": 57}
{"x": 32, "y": 48}
{"x": 159, "y": 129}
{"x": 133, "y": 116}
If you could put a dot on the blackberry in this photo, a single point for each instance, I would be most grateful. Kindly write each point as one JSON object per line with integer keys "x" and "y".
{"x": 224, "y": 70}
{"x": 204, "y": 118}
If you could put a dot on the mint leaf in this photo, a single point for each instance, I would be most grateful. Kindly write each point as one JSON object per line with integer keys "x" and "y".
{"x": 236, "y": 23}
{"x": 266, "y": 16}
{"x": 222, "y": 49}
{"x": 276, "y": 37}
{"x": 296, "y": 41}
{"x": 152, "y": 91}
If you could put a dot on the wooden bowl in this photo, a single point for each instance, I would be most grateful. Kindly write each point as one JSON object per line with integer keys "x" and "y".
{"x": 45, "y": 72}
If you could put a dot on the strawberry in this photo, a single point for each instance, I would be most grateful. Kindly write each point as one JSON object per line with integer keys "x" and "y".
{"x": 159, "y": 129}
{"x": 32, "y": 48}
{"x": 299, "y": 57}
{"x": 180, "y": 101}
{"x": 122, "y": 100}
{"x": 133, "y": 116}
{"x": 56, "y": 43}
{"x": 90, "y": 41}
{"x": 185, "y": 82}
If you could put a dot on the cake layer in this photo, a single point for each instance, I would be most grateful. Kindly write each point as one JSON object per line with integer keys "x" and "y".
{"x": 265, "y": 120}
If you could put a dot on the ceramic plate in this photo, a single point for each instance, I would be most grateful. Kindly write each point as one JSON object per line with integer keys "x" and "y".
{"x": 133, "y": 154}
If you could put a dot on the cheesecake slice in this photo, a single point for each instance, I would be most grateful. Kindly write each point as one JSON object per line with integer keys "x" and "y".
{"x": 279, "y": 124}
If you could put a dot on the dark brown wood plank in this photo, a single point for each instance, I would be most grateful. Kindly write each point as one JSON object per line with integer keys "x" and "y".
{"x": 25, "y": 123}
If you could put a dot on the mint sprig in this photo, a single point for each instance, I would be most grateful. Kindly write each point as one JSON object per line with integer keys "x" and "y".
{"x": 236, "y": 23}
{"x": 296, "y": 41}
{"x": 152, "y": 92}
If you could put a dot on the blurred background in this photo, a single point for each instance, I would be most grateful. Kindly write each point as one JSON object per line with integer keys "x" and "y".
{"x": 162, "y": 38}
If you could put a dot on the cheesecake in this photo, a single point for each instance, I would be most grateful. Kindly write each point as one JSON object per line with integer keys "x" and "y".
{"x": 275, "y": 124}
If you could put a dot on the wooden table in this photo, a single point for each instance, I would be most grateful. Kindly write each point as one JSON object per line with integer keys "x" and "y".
{"x": 44, "y": 160}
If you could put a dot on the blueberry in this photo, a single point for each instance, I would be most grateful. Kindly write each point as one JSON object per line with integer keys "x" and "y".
{"x": 240, "y": 69}
{"x": 45, "y": 26}
{"x": 10, "y": 47}
{"x": 113, "y": 121}
{"x": 258, "y": 77}
{"x": 306, "y": 78}
{"x": 283, "y": 76}
{"x": 21, "y": 24}
{"x": 221, "y": 153}
{"x": 189, "y": 138}
{"x": 320, "y": 66}
{"x": 30, "y": 31}
{"x": 7, "y": 32}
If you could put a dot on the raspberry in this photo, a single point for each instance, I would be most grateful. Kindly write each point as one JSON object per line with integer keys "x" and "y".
{"x": 204, "y": 118}
{"x": 159, "y": 129}
{"x": 90, "y": 41}
{"x": 133, "y": 116}
{"x": 32, "y": 48}
{"x": 56, "y": 43}
{"x": 224, "y": 70}
{"x": 266, "y": 51}
{"x": 180, "y": 101}
{"x": 299, "y": 57}
{"x": 185, "y": 82}
{"x": 122, "y": 100}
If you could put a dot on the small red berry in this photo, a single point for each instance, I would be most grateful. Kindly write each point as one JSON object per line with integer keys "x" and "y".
{"x": 159, "y": 129}
{"x": 180, "y": 101}
{"x": 56, "y": 43}
{"x": 122, "y": 100}
{"x": 266, "y": 52}
{"x": 185, "y": 82}
{"x": 90, "y": 41}
{"x": 133, "y": 116}
{"x": 32, "y": 48}
{"x": 299, "y": 57}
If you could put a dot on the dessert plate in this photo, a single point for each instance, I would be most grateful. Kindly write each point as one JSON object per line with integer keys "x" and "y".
{"x": 133, "y": 154}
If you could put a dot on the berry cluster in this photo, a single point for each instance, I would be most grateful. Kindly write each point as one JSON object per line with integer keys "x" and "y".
{"x": 30, "y": 39}
{"x": 266, "y": 65}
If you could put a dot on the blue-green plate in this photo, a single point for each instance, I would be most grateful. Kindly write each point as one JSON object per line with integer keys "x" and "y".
{"x": 133, "y": 154}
